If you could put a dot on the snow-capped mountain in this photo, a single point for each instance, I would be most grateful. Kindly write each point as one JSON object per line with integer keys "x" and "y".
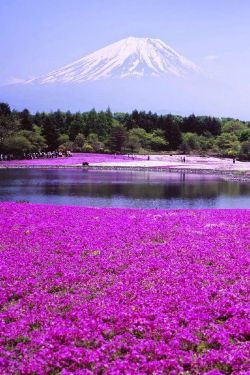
{"x": 129, "y": 57}
{"x": 107, "y": 78}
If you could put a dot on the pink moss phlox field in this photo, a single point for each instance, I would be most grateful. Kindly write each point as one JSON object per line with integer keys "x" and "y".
{"x": 123, "y": 291}
{"x": 75, "y": 159}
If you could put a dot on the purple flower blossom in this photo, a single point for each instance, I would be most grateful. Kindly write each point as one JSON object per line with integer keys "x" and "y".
{"x": 116, "y": 291}
{"x": 76, "y": 159}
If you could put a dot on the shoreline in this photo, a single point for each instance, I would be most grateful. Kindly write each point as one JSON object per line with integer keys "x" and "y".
{"x": 239, "y": 175}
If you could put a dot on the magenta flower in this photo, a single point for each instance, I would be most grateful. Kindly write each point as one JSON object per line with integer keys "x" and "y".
{"x": 123, "y": 291}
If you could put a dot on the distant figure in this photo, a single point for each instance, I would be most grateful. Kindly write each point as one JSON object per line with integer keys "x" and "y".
{"x": 184, "y": 159}
{"x": 148, "y": 157}
{"x": 233, "y": 160}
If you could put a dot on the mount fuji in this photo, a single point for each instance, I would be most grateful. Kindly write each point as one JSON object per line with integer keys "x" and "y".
{"x": 129, "y": 57}
{"x": 142, "y": 73}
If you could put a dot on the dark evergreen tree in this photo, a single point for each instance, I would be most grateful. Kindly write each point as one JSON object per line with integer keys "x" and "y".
{"x": 191, "y": 124}
{"x": 26, "y": 120}
{"x": 8, "y": 124}
{"x": 51, "y": 134}
{"x": 4, "y": 109}
{"x": 212, "y": 125}
{"x": 76, "y": 126}
{"x": 118, "y": 137}
{"x": 172, "y": 132}
{"x": 59, "y": 120}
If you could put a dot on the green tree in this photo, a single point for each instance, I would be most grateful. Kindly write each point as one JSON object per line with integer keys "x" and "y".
{"x": 95, "y": 143}
{"x": 133, "y": 143}
{"x": 172, "y": 131}
{"x": 235, "y": 127}
{"x": 244, "y": 153}
{"x": 191, "y": 141}
{"x": 17, "y": 144}
{"x": 5, "y": 109}
{"x": 8, "y": 123}
{"x": 206, "y": 142}
{"x": 228, "y": 144}
{"x": 75, "y": 127}
{"x": 35, "y": 138}
{"x": 51, "y": 134}
{"x": 79, "y": 142}
{"x": 211, "y": 125}
{"x": 245, "y": 135}
{"x": 158, "y": 143}
{"x": 63, "y": 138}
{"x": 118, "y": 137}
{"x": 59, "y": 120}
{"x": 26, "y": 120}
{"x": 192, "y": 124}
{"x": 143, "y": 137}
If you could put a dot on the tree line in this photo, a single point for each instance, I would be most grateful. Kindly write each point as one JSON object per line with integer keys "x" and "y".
{"x": 22, "y": 132}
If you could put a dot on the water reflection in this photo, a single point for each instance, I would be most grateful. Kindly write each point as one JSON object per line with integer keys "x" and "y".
{"x": 122, "y": 188}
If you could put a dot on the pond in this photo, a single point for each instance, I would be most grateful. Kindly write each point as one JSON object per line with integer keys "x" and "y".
{"x": 137, "y": 189}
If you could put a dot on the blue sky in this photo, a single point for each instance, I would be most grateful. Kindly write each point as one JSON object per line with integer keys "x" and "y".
{"x": 38, "y": 36}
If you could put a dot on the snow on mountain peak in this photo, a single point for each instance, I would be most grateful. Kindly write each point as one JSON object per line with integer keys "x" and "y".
{"x": 129, "y": 57}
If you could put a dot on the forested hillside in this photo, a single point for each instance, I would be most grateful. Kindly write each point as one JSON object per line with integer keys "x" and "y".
{"x": 136, "y": 132}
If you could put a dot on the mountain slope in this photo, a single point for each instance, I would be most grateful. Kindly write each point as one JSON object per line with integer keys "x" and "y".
{"x": 129, "y": 57}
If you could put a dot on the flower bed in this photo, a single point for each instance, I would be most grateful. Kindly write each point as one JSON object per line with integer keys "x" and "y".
{"x": 75, "y": 159}
{"x": 118, "y": 291}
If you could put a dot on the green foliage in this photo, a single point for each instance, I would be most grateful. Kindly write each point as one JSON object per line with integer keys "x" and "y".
{"x": 235, "y": 127}
{"x": 67, "y": 146}
{"x": 228, "y": 144}
{"x": 118, "y": 137}
{"x": 143, "y": 137}
{"x": 26, "y": 120}
{"x": 87, "y": 148}
{"x": 64, "y": 143}
{"x": 99, "y": 123}
{"x": 133, "y": 143}
{"x": 17, "y": 144}
{"x": 50, "y": 133}
{"x": 158, "y": 143}
{"x": 94, "y": 142}
{"x": 191, "y": 141}
{"x": 35, "y": 138}
{"x": 121, "y": 132}
{"x": 201, "y": 124}
{"x": 244, "y": 153}
{"x": 5, "y": 109}
{"x": 171, "y": 126}
{"x": 79, "y": 142}
{"x": 63, "y": 138}
{"x": 157, "y": 140}
{"x": 8, "y": 124}
{"x": 245, "y": 135}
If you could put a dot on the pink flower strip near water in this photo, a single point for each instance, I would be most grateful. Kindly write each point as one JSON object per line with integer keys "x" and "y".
{"x": 123, "y": 291}
{"x": 76, "y": 158}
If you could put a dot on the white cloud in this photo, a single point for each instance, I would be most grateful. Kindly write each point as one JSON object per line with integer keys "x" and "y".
{"x": 211, "y": 57}
{"x": 15, "y": 80}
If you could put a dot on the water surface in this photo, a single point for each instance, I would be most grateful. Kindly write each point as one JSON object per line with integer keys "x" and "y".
{"x": 140, "y": 189}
